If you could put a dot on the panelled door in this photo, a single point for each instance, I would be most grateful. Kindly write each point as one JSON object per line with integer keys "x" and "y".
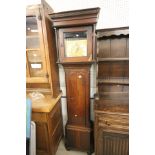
{"x": 76, "y": 83}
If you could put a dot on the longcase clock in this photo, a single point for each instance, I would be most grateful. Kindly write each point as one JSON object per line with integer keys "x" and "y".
{"x": 75, "y": 37}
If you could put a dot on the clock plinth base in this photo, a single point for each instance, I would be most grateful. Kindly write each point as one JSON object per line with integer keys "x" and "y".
{"x": 79, "y": 138}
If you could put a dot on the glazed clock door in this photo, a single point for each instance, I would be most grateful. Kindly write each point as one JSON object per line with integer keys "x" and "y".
{"x": 76, "y": 81}
{"x": 35, "y": 58}
{"x": 75, "y": 44}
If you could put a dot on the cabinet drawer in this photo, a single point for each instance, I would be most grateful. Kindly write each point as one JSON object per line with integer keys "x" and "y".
{"x": 114, "y": 122}
{"x": 39, "y": 117}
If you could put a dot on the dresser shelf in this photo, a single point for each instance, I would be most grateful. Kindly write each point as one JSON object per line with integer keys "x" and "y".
{"x": 114, "y": 81}
{"x": 112, "y": 59}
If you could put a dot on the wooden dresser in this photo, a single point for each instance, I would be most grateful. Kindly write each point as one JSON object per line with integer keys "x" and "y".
{"x": 46, "y": 113}
{"x": 112, "y": 98}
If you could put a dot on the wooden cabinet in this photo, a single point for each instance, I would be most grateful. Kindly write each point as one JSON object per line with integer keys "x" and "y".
{"x": 41, "y": 67}
{"x": 112, "y": 98}
{"x": 48, "y": 128}
{"x": 111, "y": 133}
{"x": 75, "y": 33}
{"x": 36, "y": 60}
{"x": 42, "y": 78}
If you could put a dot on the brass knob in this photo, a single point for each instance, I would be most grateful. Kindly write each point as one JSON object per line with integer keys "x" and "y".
{"x": 80, "y": 76}
{"x": 107, "y": 123}
{"x": 75, "y": 115}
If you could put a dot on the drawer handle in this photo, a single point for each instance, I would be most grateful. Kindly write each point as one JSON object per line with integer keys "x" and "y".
{"x": 80, "y": 76}
{"x": 107, "y": 123}
{"x": 75, "y": 115}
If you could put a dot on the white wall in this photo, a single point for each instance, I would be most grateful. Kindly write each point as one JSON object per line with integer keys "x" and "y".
{"x": 113, "y": 13}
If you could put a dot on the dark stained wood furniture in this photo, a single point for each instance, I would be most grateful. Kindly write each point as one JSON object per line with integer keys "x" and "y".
{"x": 112, "y": 98}
{"x": 75, "y": 35}
{"x": 42, "y": 76}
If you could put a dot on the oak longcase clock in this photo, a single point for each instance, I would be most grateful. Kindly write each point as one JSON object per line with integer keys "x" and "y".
{"x": 75, "y": 37}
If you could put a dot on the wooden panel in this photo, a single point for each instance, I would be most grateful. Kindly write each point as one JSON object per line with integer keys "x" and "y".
{"x": 76, "y": 91}
{"x": 38, "y": 85}
{"x": 78, "y": 138}
{"x": 71, "y": 84}
{"x": 113, "y": 48}
{"x": 126, "y": 88}
{"x": 113, "y": 88}
{"x": 71, "y": 138}
{"x": 55, "y": 117}
{"x": 104, "y": 48}
{"x": 113, "y": 69}
{"x": 58, "y": 132}
{"x": 112, "y": 144}
{"x": 115, "y": 102}
{"x": 118, "y": 48}
{"x": 51, "y": 55}
{"x": 113, "y": 32}
{"x": 126, "y": 69}
{"x": 37, "y": 80}
{"x": 39, "y": 117}
{"x": 116, "y": 69}
{"x": 75, "y": 17}
{"x": 103, "y": 70}
{"x": 42, "y": 141}
{"x": 81, "y": 93}
{"x": 114, "y": 123}
{"x": 127, "y": 44}
{"x": 112, "y": 59}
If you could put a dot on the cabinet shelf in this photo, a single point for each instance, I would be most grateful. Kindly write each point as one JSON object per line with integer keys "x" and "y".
{"x": 112, "y": 95}
{"x": 114, "y": 80}
{"x": 33, "y": 49}
{"x": 112, "y": 59}
{"x": 32, "y": 36}
{"x": 35, "y": 62}
{"x": 114, "y": 102}
{"x": 37, "y": 80}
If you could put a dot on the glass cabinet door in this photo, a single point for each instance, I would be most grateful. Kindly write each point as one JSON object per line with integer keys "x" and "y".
{"x": 34, "y": 48}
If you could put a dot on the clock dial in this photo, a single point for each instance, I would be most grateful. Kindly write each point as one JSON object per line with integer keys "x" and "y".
{"x": 75, "y": 44}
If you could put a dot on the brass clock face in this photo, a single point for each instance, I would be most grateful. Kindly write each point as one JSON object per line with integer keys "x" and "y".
{"x": 75, "y": 44}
